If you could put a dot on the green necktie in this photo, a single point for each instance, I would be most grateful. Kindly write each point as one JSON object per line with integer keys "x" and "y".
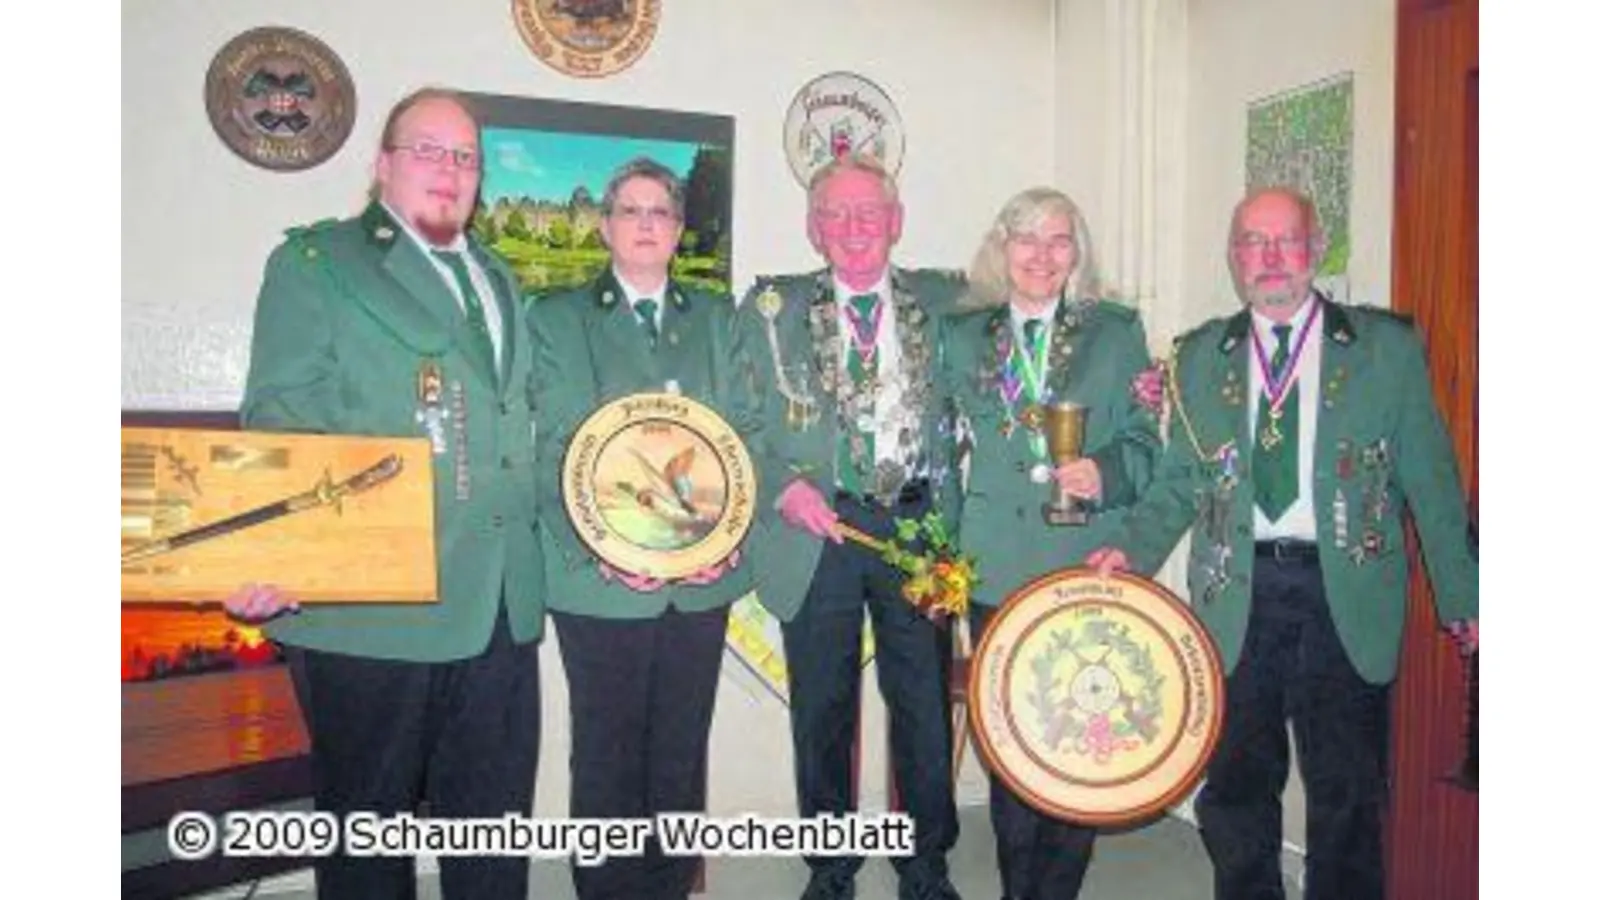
{"x": 1033, "y": 385}
{"x": 1031, "y": 332}
{"x": 477, "y": 326}
{"x": 863, "y": 332}
{"x": 1277, "y": 467}
{"x": 646, "y": 311}
{"x": 866, "y": 333}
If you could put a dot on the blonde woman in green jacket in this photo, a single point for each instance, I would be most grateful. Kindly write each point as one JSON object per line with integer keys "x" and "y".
{"x": 1037, "y": 330}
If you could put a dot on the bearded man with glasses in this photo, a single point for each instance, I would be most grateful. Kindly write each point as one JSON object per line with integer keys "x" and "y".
{"x": 397, "y": 323}
{"x": 1302, "y": 429}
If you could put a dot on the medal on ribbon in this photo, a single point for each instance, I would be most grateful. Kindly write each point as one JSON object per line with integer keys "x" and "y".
{"x": 1228, "y": 463}
{"x": 431, "y": 413}
{"x": 864, "y": 336}
{"x": 862, "y": 364}
{"x": 1277, "y": 388}
{"x": 1010, "y": 389}
{"x": 1030, "y": 368}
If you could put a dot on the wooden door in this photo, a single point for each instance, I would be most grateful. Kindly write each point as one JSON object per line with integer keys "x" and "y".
{"x": 1432, "y": 833}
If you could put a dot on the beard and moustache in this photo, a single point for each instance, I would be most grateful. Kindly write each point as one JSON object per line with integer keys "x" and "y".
{"x": 438, "y": 232}
{"x": 1286, "y": 292}
{"x": 1275, "y": 298}
{"x": 439, "y": 224}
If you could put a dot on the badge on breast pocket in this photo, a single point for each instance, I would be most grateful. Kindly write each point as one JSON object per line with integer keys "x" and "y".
{"x": 431, "y": 412}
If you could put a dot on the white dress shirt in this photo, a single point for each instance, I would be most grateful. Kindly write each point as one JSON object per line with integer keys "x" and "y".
{"x": 1299, "y": 521}
{"x": 634, "y": 295}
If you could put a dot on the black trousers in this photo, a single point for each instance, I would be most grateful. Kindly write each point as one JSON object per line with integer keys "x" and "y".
{"x": 822, "y": 647}
{"x": 388, "y": 735}
{"x": 642, "y": 694}
{"x": 1041, "y": 857}
{"x": 1294, "y": 668}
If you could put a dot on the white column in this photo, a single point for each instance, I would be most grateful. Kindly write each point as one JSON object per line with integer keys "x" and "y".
{"x": 1122, "y": 153}
{"x": 1120, "y": 150}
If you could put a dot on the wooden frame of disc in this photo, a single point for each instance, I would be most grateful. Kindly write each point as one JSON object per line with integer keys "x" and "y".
{"x": 657, "y": 484}
{"x": 1096, "y": 700}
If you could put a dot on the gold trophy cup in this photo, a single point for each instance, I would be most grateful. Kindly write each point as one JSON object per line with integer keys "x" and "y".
{"x": 1063, "y": 434}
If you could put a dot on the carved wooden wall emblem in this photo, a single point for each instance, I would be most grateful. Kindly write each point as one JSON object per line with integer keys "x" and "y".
{"x": 280, "y": 99}
{"x": 587, "y": 38}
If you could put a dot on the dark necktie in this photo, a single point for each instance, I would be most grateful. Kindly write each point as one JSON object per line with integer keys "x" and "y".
{"x": 477, "y": 325}
{"x": 856, "y": 451}
{"x": 1277, "y": 450}
{"x": 866, "y": 333}
{"x": 1032, "y": 330}
{"x": 646, "y": 311}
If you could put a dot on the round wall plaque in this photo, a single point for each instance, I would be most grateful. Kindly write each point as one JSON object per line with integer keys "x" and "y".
{"x": 280, "y": 99}
{"x": 1096, "y": 700}
{"x": 658, "y": 484}
{"x": 587, "y": 38}
{"x": 841, "y": 114}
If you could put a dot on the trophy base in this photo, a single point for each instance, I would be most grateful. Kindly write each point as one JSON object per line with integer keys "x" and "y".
{"x": 1063, "y": 515}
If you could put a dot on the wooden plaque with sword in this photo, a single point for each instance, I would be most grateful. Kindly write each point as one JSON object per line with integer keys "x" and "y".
{"x": 328, "y": 518}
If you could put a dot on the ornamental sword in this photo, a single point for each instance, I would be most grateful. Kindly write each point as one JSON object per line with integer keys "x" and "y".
{"x": 325, "y": 493}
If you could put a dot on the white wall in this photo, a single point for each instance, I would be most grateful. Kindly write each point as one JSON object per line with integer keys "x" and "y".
{"x": 1120, "y": 148}
{"x": 971, "y": 80}
{"x": 1241, "y": 51}
{"x": 973, "y": 83}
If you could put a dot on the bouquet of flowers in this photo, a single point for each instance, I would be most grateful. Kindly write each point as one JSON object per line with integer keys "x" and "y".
{"x": 938, "y": 576}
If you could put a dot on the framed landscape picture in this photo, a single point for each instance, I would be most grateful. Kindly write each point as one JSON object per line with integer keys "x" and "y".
{"x": 545, "y": 167}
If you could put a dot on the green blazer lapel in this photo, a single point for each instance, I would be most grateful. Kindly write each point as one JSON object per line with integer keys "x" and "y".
{"x": 915, "y": 332}
{"x": 994, "y": 374}
{"x": 618, "y": 341}
{"x": 1344, "y": 357}
{"x": 422, "y": 313}
{"x": 826, "y": 346}
{"x": 1232, "y": 378}
{"x": 1065, "y": 334}
{"x": 683, "y": 338}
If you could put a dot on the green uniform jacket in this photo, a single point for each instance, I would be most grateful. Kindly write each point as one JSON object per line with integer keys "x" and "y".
{"x": 790, "y": 447}
{"x": 1097, "y": 349}
{"x": 350, "y": 313}
{"x": 590, "y": 349}
{"x": 1379, "y": 444}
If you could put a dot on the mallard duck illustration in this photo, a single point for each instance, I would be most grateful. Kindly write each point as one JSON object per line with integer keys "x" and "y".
{"x": 667, "y": 493}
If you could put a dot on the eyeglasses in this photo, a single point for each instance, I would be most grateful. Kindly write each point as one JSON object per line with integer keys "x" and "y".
{"x": 656, "y": 215}
{"x": 869, "y": 216}
{"x": 430, "y": 152}
{"x": 1256, "y": 243}
{"x": 1059, "y": 243}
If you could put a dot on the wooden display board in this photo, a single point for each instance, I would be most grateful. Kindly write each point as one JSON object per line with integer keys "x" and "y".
{"x": 341, "y": 518}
